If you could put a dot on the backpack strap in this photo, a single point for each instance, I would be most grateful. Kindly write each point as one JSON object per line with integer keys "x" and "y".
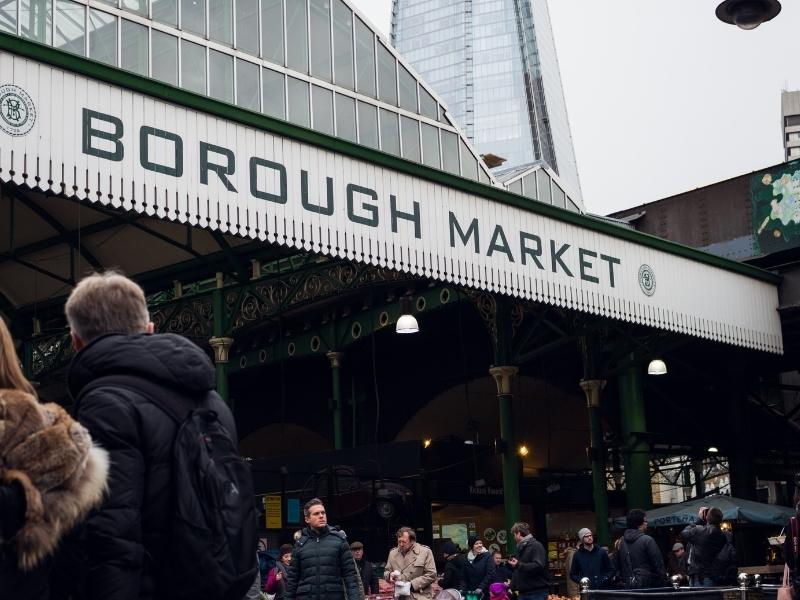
{"x": 175, "y": 404}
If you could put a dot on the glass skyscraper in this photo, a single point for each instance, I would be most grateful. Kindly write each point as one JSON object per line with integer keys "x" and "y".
{"x": 494, "y": 63}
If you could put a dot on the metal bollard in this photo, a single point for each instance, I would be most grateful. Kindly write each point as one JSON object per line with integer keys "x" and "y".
{"x": 676, "y": 581}
{"x": 757, "y": 580}
{"x": 584, "y": 588}
{"x": 742, "y": 585}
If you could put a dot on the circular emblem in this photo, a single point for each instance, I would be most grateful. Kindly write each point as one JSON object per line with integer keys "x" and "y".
{"x": 501, "y": 536}
{"x": 647, "y": 280}
{"x": 17, "y": 112}
{"x": 489, "y": 534}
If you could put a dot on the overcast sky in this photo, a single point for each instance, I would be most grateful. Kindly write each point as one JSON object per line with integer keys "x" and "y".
{"x": 662, "y": 97}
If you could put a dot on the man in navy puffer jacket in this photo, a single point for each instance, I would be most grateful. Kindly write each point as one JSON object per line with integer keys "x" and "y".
{"x": 322, "y": 566}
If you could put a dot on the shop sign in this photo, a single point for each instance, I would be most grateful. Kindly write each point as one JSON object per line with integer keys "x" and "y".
{"x": 68, "y": 133}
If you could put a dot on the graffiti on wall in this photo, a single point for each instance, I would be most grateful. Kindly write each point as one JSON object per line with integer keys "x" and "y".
{"x": 776, "y": 208}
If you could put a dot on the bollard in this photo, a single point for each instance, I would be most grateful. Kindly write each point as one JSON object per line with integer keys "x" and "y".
{"x": 676, "y": 581}
{"x": 742, "y": 585}
{"x": 584, "y": 588}
{"x": 757, "y": 580}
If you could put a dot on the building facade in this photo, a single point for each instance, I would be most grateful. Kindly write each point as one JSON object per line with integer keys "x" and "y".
{"x": 494, "y": 63}
{"x": 790, "y": 124}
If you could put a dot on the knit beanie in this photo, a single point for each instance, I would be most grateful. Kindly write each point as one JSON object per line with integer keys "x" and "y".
{"x": 583, "y": 533}
{"x": 472, "y": 539}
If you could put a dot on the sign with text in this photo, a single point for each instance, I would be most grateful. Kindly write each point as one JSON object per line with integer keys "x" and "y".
{"x": 68, "y": 133}
{"x": 274, "y": 511}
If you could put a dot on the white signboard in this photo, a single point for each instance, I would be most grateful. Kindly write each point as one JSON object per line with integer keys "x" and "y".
{"x": 71, "y": 134}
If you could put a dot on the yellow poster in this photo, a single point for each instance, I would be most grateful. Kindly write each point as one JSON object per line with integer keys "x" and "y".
{"x": 273, "y": 510}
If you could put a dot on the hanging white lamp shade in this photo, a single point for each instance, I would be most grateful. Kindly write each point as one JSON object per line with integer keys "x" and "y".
{"x": 407, "y": 324}
{"x": 657, "y": 367}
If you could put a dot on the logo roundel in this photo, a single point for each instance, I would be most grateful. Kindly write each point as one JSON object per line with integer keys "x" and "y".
{"x": 647, "y": 280}
{"x": 17, "y": 111}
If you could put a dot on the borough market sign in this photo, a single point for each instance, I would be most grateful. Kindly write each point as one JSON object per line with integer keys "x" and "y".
{"x": 103, "y": 142}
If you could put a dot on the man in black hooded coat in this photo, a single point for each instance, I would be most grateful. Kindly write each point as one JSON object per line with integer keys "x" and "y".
{"x": 126, "y": 541}
{"x": 639, "y": 561}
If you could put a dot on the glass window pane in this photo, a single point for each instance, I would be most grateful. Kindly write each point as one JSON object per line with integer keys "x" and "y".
{"x": 246, "y": 84}
{"x": 298, "y": 102}
{"x": 390, "y": 136}
{"x": 220, "y": 21}
{"x": 408, "y": 90}
{"x": 193, "y": 16}
{"x": 515, "y": 186}
{"x": 559, "y": 198}
{"x": 529, "y": 185}
{"x": 165, "y": 11}
{"x": 102, "y": 36}
{"x": 483, "y": 177}
{"x": 427, "y": 105}
{"x": 71, "y": 28}
{"x": 368, "y": 125}
{"x": 135, "y": 47}
{"x": 8, "y": 16}
{"x": 247, "y": 26}
{"x": 322, "y": 105}
{"x": 409, "y": 129}
{"x": 387, "y": 75}
{"x": 165, "y": 57}
{"x": 430, "y": 145}
{"x": 321, "y": 39}
{"x": 346, "y": 118}
{"x": 450, "y": 151}
{"x": 343, "y": 73}
{"x": 193, "y": 67}
{"x": 220, "y": 67}
{"x": 273, "y": 93}
{"x": 297, "y": 38}
{"x": 365, "y": 59}
{"x": 137, "y": 6}
{"x": 109, "y": 2}
{"x": 543, "y": 181}
{"x": 469, "y": 164}
{"x": 36, "y": 20}
{"x": 272, "y": 31}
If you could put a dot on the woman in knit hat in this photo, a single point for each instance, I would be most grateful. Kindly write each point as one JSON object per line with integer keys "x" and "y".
{"x": 479, "y": 570}
{"x": 453, "y": 567}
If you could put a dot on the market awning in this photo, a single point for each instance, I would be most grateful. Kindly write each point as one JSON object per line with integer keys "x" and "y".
{"x": 733, "y": 509}
{"x": 77, "y": 128}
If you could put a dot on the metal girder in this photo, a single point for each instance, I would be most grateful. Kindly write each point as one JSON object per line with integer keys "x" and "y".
{"x": 67, "y": 236}
{"x": 337, "y": 334}
{"x": 236, "y": 264}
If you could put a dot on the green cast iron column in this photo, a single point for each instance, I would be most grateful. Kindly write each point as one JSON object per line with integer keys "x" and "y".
{"x": 219, "y": 343}
{"x": 336, "y": 394}
{"x": 511, "y": 467}
{"x": 637, "y": 451}
{"x": 597, "y": 456}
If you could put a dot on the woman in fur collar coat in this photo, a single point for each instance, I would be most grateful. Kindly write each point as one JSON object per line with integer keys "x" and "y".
{"x": 51, "y": 476}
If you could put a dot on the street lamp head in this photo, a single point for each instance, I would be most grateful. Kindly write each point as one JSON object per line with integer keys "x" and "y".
{"x": 748, "y": 14}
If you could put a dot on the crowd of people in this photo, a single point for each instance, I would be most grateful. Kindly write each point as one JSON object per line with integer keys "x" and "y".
{"x": 140, "y": 493}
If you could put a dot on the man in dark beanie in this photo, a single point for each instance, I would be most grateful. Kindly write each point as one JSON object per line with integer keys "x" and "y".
{"x": 453, "y": 567}
{"x": 479, "y": 569}
{"x": 706, "y": 541}
{"x": 639, "y": 560}
{"x": 365, "y": 568}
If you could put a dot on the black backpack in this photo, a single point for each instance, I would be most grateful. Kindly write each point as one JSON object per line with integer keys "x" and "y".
{"x": 723, "y": 568}
{"x": 213, "y": 541}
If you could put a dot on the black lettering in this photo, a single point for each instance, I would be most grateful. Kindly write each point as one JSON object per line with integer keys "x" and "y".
{"x": 353, "y": 189}
{"x": 144, "y": 151}
{"x": 611, "y": 262}
{"x": 222, "y": 171}
{"x": 90, "y": 133}
{"x": 316, "y": 208}
{"x": 471, "y": 230}
{"x": 525, "y": 251}
{"x": 255, "y": 163}
{"x": 585, "y": 265}
{"x": 555, "y": 257}
{"x": 499, "y": 234}
{"x": 413, "y": 217}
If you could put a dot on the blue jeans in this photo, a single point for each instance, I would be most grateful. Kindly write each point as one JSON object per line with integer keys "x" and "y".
{"x": 533, "y": 596}
{"x": 698, "y": 581}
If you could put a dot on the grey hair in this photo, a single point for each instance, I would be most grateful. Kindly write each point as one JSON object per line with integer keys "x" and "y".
{"x": 106, "y": 303}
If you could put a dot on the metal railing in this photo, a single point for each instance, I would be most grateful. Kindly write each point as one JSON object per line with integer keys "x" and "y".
{"x": 746, "y": 590}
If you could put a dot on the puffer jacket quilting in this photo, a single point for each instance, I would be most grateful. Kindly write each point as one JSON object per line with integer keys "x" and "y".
{"x": 322, "y": 567}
